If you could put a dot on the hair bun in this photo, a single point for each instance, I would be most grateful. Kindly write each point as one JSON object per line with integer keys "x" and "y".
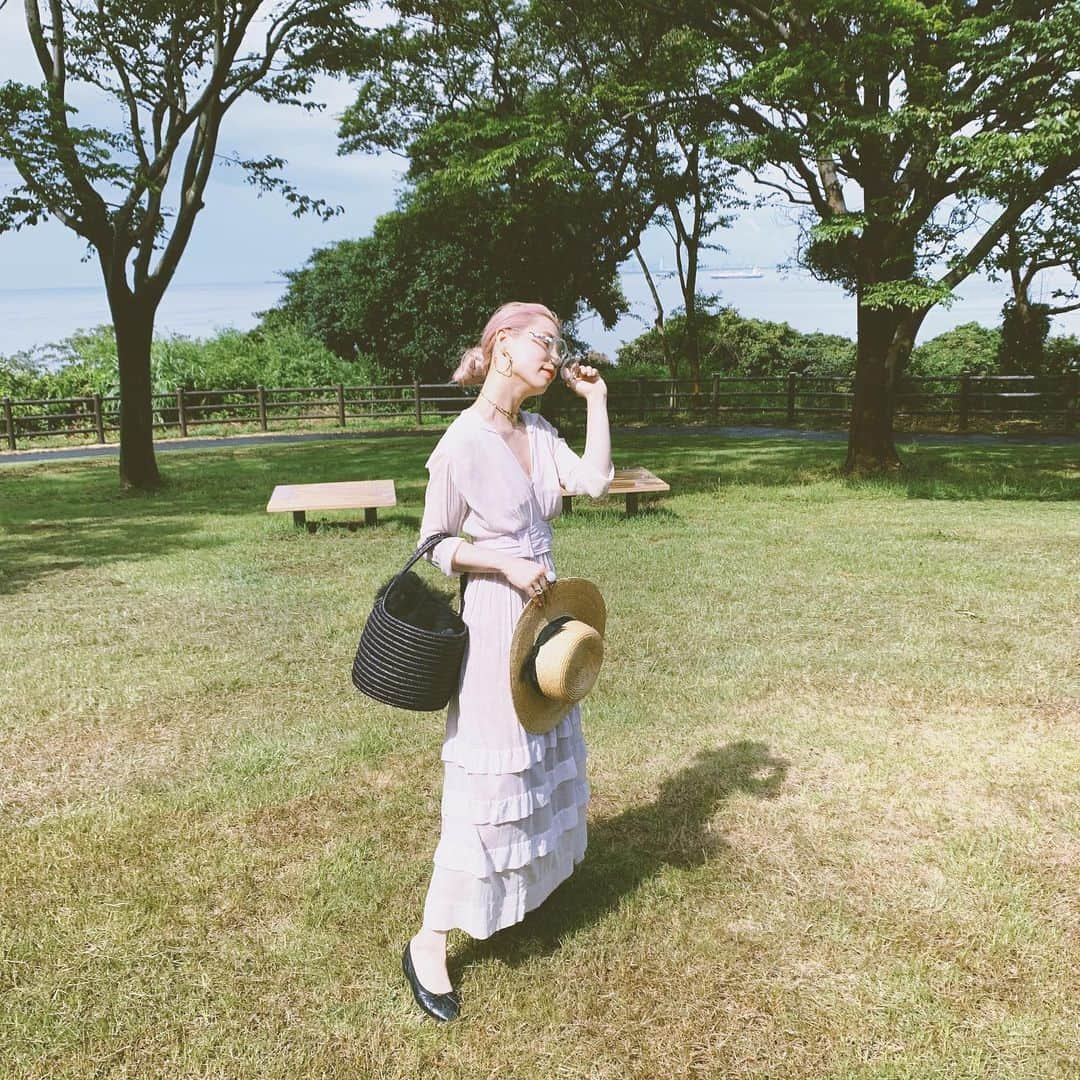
{"x": 472, "y": 368}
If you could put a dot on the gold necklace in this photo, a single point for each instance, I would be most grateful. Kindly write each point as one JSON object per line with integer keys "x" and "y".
{"x": 512, "y": 417}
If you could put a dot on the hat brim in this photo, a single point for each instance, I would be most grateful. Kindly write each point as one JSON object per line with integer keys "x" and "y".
{"x": 580, "y": 599}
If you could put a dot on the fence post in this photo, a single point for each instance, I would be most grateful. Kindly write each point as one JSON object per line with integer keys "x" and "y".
{"x": 181, "y": 415}
{"x": 99, "y": 420}
{"x": 963, "y": 403}
{"x": 715, "y": 394}
{"x": 1072, "y": 389}
{"x": 260, "y": 399}
{"x": 416, "y": 397}
{"x": 341, "y": 404}
{"x": 792, "y": 390}
{"x": 9, "y": 424}
{"x": 641, "y": 399}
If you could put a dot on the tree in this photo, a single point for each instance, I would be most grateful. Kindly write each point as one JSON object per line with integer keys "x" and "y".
{"x": 1045, "y": 238}
{"x": 492, "y": 100}
{"x": 690, "y": 204}
{"x": 176, "y": 69}
{"x": 893, "y": 126}
{"x": 536, "y": 93}
{"x": 1025, "y": 326}
{"x": 417, "y": 291}
{"x": 693, "y": 190}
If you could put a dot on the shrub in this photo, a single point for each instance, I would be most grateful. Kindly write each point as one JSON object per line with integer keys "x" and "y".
{"x": 1062, "y": 354}
{"x": 85, "y": 363}
{"x": 969, "y": 347}
{"x": 735, "y": 345}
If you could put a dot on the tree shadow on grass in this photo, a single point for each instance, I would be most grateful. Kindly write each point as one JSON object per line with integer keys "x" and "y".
{"x": 626, "y": 850}
{"x": 612, "y": 515}
{"x": 940, "y": 473}
{"x": 85, "y": 544}
{"x": 59, "y": 518}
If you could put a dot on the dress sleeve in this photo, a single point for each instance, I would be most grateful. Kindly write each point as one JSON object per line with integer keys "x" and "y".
{"x": 576, "y": 474}
{"x": 445, "y": 510}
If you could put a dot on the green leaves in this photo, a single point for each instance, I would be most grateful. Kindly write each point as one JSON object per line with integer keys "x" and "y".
{"x": 175, "y": 71}
{"x": 55, "y": 158}
{"x": 911, "y": 294}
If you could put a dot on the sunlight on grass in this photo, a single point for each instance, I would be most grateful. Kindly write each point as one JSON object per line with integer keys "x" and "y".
{"x": 833, "y": 755}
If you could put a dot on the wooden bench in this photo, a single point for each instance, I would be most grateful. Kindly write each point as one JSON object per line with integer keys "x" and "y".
{"x": 366, "y": 495}
{"x": 632, "y": 482}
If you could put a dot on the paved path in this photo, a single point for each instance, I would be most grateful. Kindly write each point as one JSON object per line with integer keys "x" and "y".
{"x": 15, "y": 457}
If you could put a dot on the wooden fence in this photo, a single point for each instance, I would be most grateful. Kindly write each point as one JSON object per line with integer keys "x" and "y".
{"x": 950, "y": 403}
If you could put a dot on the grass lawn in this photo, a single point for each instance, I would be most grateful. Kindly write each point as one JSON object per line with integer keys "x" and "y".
{"x": 833, "y": 752}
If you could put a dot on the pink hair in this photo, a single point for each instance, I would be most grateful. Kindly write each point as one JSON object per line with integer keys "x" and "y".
{"x": 514, "y": 315}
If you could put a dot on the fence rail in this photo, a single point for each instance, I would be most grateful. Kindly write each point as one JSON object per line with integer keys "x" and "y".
{"x": 1049, "y": 400}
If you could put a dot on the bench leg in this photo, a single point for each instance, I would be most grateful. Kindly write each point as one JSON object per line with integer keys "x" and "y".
{"x": 568, "y": 504}
{"x": 631, "y": 503}
{"x": 371, "y": 515}
{"x": 299, "y": 517}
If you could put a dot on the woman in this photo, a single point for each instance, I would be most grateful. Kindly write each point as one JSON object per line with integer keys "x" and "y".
{"x": 513, "y": 804}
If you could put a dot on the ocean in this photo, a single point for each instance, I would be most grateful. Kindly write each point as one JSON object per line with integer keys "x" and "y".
{"x": 32, "y": 317}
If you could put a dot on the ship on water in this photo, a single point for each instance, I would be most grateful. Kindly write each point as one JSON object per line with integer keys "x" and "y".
{"x": 737, "y": 272}
{"x": 662, "y": 272}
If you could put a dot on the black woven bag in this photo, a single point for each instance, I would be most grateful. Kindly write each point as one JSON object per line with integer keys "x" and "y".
{"x": 413, "y": 642}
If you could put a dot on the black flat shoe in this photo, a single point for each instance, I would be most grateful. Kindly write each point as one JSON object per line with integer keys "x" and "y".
{"x": 440, "y": 1006}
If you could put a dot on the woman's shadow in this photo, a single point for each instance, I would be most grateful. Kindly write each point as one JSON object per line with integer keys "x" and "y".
{"x": 626, "y": 850}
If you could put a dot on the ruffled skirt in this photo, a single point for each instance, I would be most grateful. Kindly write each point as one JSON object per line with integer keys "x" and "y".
{"x": 513, "y": 804}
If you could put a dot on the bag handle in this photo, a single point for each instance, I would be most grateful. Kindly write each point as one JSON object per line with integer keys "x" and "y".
{"x": 426, "y": 546}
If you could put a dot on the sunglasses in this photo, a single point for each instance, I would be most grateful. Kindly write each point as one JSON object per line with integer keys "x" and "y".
{"x": 556, "y": 347}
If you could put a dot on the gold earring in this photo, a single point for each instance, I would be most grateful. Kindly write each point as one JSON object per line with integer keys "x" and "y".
{"x": 509, "y": 364}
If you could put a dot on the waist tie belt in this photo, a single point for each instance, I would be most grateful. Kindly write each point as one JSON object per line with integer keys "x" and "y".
{"x": 527, "y": 543}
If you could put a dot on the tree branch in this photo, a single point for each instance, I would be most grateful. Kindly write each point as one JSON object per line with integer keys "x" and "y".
{"x": 196, "y": 173}
{"x": 779, "y": 187}
{"x": 94, "y": 215}
{"x": 1005, "y": 221}
{"x": 37, "y": 39}
{"x": 750, "y": 118}
{"x": 1064, "y": 310}
{"x": 129, "y": 96}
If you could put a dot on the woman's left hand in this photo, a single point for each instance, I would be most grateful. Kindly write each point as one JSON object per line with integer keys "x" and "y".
{"x": 585, "y": 381}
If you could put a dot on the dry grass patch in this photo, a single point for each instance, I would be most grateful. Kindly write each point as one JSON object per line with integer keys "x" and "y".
{"x": 833, "y": 759}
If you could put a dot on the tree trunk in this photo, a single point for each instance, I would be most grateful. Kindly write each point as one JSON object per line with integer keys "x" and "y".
{"x": 870, "y": 436}
{"x": 1025, "y": 327}
{"x": 669, "y": 360}
{"x": 693, "y": 342}
{"x": 693, "y": 345}
{"x": 133, "y": 319}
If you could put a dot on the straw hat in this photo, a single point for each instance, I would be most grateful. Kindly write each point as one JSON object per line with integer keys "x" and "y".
{"x": 556, "y": 652}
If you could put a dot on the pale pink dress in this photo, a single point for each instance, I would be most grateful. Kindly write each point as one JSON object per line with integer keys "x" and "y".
{"x": 513, "y": 804}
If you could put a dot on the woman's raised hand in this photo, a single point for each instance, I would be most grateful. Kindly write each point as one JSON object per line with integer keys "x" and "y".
{"x": 529, "y": 576}
{"x": 585, "y": 381}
